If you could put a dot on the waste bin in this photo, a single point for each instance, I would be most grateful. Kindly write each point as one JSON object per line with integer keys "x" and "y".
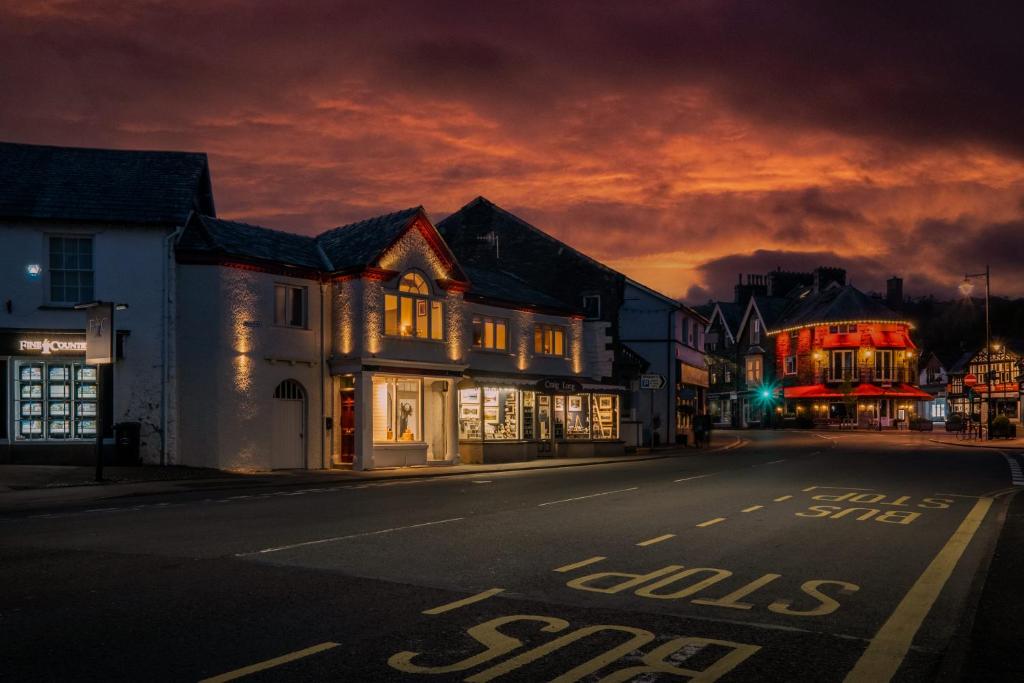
{"x": 126, "y": 443}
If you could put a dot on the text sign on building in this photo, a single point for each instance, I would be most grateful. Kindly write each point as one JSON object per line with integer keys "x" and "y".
{"x": 970, "y": 380}
{"x": 559, "y": 386}
{"x": 652, "y": 381}
{"x": 99, "y": 334}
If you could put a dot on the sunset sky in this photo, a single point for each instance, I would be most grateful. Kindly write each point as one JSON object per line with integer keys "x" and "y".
{"x": 681, "y": 143}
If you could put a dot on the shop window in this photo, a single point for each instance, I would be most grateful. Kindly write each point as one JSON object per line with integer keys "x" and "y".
{"x": 411, "y": 312}
{"x": 490, "y": 333}
{"x": 397, "y": 410}
{"x": 54, "y": 400}
{"x": 549, "y": 340}
{"x": 577, "y": 416}
{"x": 491, "y": 413}
{"x": 606, "y": 416}
{"x": 71, "y": 270}
{"x": 289, "y": 306}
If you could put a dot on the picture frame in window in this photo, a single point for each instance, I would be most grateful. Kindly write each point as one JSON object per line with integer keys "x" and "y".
{"x": 469, "y": 412}
{"x": 490, "y": 397}
{"x": 575, "y": 403}
{"x": 604, "y": 402}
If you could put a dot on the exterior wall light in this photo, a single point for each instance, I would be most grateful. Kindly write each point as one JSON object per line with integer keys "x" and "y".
{"x": 34, "y": 270}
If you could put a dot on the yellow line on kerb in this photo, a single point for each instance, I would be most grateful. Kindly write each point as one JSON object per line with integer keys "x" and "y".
{"x": 884, "y": 655}
{"x": 465, "y": 601}
{"x": 270, "y": 663}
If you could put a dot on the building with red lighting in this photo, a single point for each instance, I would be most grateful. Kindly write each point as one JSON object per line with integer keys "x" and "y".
{"x": 844, "y": 357}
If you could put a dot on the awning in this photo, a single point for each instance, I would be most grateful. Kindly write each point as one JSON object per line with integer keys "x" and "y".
{"x": 888, "y": 340}
{"x": 841, "y": 340}
{"x": 860, "y": 391}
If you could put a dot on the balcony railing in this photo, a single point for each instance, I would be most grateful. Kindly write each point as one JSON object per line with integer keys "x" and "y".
{"x": 867, "y": 374}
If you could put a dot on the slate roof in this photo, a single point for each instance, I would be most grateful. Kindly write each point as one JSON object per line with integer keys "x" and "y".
{"x": 732, "y": 314}
{"x": 833, "y": 304}
{"x": 39, "y": 182}
{"x": 205, "y": 234}
{"x": 498, "y": 286}
{"x": 358, "y": 244}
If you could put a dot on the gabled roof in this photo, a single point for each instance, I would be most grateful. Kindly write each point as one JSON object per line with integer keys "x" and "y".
{"x": 493, "y": 286}
{"x": 730, "y": 313}
{"x": 674, "y": 303}
{"x": 215, "y": 237}
{"x": 834, "y": 305}
{"x": 363, "y": 242}
{"x": 39, "y": 182}
{"x": 767, "y": 308}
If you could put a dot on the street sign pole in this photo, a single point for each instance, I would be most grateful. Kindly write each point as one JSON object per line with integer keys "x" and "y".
{"x": 99, "y": 351}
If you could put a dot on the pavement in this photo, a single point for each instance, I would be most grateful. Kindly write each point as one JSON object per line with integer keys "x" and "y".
{"x": 791, "y": 557}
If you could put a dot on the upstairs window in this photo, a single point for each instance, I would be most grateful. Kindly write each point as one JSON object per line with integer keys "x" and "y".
{"x": 71, "y": 274}
{"x": 289, "y": 306}
{"x": 412, "y": 312}
{"x": 845, "y": 328}
{"x": 549, "y": 340}
{"x": 755, "y": 332}
{"x": 490, "y": 333}
{"x": 592, "y": 306}
{"x": 791, "y": 365}
{"x": 754, "y": 368}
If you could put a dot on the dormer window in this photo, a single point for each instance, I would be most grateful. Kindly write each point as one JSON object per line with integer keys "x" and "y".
{"x": 412, "y": 312}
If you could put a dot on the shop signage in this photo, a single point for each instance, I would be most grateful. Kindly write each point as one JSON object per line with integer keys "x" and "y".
{"x": 99, "y": 334}
{"x": 970, "y": 380}
{"x": 41, "y": 343}
{"x": 652, "y": 381}
{"x": 553, "y": 385}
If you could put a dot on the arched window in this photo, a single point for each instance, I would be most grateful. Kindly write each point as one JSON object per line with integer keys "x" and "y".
{"x": 413, "y": 312}
{"x": 290, "y": 390}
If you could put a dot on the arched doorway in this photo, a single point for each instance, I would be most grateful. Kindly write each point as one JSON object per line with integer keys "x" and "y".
{"x": 288, "y": 441}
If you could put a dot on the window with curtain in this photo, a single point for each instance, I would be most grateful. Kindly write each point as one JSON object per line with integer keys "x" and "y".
{"x": 413, "y": 312}
{"x": 549, "y": 340}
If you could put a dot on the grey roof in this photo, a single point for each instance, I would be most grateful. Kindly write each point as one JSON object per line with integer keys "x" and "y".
{"x": 732, "y": 314}
{"x": 498, "y": 286}
{"x": 960, "y": 364}
{"x": 772, "y": 308}
{"x": 204, "y": 234}
{"x": 833, "y": 304}
{"x": 40, "y": 182}
{"x": 359, "y": 244}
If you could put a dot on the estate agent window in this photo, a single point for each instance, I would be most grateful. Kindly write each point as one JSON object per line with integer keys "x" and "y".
{"x": 412, "y": 312}
{"x": 54, "y": 400}
{"x": 289, "y": 306}
{"x": 397, "y": 410}
{"x": 71, "y": 274}
{"x": 490, "y": 333}
{"x": 549, "y": 340}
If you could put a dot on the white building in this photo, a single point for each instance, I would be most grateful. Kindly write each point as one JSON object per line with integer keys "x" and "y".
{"x": 78, "y": 225}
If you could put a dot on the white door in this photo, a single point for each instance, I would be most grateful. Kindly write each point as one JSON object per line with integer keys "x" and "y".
{"x": 288, "y": 428}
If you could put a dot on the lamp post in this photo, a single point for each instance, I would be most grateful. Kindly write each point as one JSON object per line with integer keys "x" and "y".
{"x": 966, "y": 287}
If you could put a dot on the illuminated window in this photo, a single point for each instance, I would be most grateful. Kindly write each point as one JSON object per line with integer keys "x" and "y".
{"x": 842, "y": 365}
{"x": 397, "y": 410}
{"x": 549, "y": 340}
{"x": 490, "y": 333}
{"x": 884, "y": 370}
{"x": 753, "y": 367}
{"x": 54, "y": 400}
{"x": 412, "y": 313}
{"x": 71, "y": 274}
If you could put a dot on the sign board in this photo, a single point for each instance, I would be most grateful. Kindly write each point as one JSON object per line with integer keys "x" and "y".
{"x": 970, "y": 380}
{"x": 651, "y": 381}
{"x": 555, "y": 385}
{"x": 99, "y": 334}
{"x": 41, "y": 343}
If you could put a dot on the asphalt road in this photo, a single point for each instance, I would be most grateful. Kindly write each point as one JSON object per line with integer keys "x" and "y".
{"x": 798, "y": 557}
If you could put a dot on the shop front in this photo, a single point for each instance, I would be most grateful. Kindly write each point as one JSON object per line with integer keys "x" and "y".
{"x": 520, "y": 419}
{"x": 49, "y": 407}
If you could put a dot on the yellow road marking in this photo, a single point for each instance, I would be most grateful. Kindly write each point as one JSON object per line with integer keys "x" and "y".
{"x": 810, "y": 488}
{"x": 270, "y": 663}
{"x": 657, "y": 539}
{"x": 782, "y": 498}
{"x": 716, "y": 520}
{"x": 884, "y": 655}
{"x": 583, "y": 563}
{"x": 699, "y": 476}
{"x": 752, "y": 508}
{"x": 465, "y": 601}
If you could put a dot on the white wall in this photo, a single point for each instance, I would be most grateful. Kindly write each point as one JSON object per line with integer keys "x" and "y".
{"x": 231, "y": 357}
{"x": 128, "y": 267}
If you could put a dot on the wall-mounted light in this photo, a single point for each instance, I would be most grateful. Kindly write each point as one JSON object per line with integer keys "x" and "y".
{"x": 34, "y": 270}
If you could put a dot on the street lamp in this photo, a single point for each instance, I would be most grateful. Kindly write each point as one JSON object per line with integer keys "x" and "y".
{"x": 966, "y": 287}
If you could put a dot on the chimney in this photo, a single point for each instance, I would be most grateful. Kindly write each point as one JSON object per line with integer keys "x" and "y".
{"x": 825, "y": 276}
{"x": 894, "y": 293}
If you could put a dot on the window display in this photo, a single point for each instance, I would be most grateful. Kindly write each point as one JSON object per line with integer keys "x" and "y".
{"x": 397, "y": 408}
{"x": 606, "y": 418}
{"x": 577, "y": 418}
{"x": 469, "y": 413}
{"x": 54, "y": 400}
{"x": 528, "y": 415}
{"x": 491, "y": 413}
